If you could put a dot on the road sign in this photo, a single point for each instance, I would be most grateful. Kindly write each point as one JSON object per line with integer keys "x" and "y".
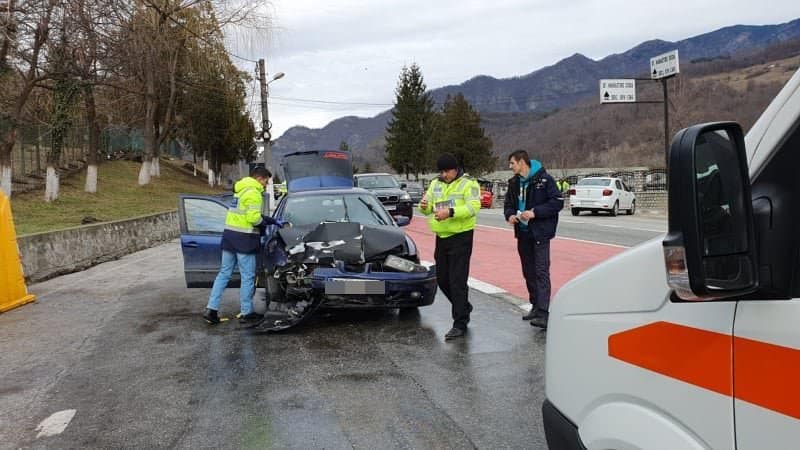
{"x": 618, "y": 91}
{"x": 664, "y": 65}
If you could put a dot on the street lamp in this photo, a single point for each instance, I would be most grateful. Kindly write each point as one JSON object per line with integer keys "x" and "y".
{"x": 265, "y": 124}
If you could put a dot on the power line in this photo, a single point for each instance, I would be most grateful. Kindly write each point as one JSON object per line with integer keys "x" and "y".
{"x": 331, "y": 102}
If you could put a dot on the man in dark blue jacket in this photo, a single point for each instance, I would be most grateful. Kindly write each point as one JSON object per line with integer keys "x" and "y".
{"x": 531, "y": 206}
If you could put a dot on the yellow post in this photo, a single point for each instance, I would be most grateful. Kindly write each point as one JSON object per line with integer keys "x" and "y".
{"x": 13, "y": 292}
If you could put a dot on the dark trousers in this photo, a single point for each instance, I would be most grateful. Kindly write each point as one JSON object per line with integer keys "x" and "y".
{"x": 535, "y": 257}
{"x": 452, "y": 270}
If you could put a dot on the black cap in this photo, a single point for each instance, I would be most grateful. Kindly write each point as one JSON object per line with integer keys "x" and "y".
{"x": 446, "y": 161}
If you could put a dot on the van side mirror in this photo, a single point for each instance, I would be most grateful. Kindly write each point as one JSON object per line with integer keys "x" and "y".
{"x": 710, "y": 250}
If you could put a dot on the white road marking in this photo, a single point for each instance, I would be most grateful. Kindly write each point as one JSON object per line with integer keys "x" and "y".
{"x": 484, "y": 287}
{"x": 55, "y": 424}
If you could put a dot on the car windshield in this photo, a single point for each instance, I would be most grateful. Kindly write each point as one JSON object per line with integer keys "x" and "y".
{"x": 595, "y": 182}
{"x": 315, "y": 209}
{"x": 377, "y": 182}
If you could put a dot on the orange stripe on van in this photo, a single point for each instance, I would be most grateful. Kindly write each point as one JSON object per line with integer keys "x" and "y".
{"x": 766, "y": 374}
{"x": 698, "y": 357}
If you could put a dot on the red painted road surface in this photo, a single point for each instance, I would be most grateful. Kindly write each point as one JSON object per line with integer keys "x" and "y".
{"x": 495, "y": 259}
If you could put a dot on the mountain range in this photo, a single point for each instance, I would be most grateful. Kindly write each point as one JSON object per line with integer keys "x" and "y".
{"x": 528, "y": 97}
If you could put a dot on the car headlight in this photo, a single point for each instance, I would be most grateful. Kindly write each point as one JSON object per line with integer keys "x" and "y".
{"x": 403, "y": 265}
{"x": 405, "y": 197}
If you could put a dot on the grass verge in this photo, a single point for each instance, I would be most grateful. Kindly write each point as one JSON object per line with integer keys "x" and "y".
{"x": 118, "y": 196}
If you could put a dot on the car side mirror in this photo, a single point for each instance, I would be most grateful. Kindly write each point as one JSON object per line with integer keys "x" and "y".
{"x": 403, "y": 185}
{"x": 710, "y": 250}
{"x": 402, "y": 220}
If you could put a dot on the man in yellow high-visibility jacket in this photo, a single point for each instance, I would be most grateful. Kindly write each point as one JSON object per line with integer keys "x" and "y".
{"x": 452, "y": 202}
{"x": 241, "y": 241}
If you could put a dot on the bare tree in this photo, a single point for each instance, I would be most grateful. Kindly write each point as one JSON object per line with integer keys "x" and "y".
{"x": 25, "y": 31}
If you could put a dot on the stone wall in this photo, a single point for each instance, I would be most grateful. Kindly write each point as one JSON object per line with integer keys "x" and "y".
{"x": 47, "y": 255}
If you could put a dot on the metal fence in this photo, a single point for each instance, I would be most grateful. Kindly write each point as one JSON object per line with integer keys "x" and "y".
{"x": 29, "y": 157}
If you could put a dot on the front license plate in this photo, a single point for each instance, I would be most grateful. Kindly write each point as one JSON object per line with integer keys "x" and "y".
{"x": 346, "y": 286}
{"x": 390, "y": 207}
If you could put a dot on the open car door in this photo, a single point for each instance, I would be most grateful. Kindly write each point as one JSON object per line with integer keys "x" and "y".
{"x": 202, "y": 220}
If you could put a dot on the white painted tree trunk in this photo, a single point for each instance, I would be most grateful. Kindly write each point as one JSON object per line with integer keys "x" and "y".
{"x": 5, "y": 180}
{"x": 144, "y": 173}
{"x": 51, "y": 185}
{"x": 91, "y": 179}
{"x": 211, "y": 178}
{"x": 155, "y": 167}
{"x": 205, "y": 165}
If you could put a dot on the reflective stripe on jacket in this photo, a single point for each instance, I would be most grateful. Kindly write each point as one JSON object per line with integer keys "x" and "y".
{"x": 461, "y": 194}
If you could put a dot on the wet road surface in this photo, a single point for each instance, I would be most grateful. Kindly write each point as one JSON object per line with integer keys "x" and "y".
{"x": 122, "y": 344}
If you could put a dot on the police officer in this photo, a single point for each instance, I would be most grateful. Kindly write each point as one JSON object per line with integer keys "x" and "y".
{"x": 531, "y": 206}
{"x": 241, "y": 241}
{"x": 452, "y": 201}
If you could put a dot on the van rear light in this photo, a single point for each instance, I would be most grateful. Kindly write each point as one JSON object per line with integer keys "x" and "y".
{"x": 607, "y": 192}
{"x": 572, "y": 192}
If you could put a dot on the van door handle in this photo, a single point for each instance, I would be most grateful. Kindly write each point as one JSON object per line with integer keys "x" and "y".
{"x": 191, "y": 244}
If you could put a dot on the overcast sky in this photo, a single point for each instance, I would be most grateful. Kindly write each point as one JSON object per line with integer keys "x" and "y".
{"x": 343, "y": 57}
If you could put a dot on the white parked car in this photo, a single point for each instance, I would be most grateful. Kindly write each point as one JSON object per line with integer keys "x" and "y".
{"x": 602, "y": 194}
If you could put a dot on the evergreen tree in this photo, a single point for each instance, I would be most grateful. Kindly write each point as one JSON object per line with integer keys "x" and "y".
{"x": 408, "y": 138}
{"x": 458, "y": 131}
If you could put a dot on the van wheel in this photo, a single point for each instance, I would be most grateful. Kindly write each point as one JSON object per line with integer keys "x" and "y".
{"x": 576, "y": 211}
{"x": 615, "y": 209}
{"x": 633, "y": 208}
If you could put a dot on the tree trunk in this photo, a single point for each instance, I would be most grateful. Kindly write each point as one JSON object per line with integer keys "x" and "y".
{"x": 211, "y": 177}
{"x": 6, "y": 148}
{"x": 52, "y": 184}
{"x": 148, "y": 132}
{"x": 94, "y": 139}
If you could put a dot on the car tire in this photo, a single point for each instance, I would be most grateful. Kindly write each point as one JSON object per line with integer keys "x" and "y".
{"x": 633, "y": 208}
{"x": 615, "y": 209}
{"x": 576, "y": 211}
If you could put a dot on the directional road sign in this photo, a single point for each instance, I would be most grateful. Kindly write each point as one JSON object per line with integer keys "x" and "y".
{"x": 618, "y": 91}
{"x": 664, "y": 65}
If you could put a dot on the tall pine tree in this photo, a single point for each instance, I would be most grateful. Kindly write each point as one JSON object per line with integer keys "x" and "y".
{"x": 408, "y": 138}
{"x": 458, "y": 131}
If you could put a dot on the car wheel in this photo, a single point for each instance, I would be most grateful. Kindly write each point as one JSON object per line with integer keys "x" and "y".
{"x": 615, "y": 209}
{"x": 576, "y": 211}
{"x": 633, "y": 208}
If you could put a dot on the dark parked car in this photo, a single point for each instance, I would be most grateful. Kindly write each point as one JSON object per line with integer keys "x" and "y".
{"x": 342, "y": 250}
{"x": 386, "y": 187}
{"x": 414, "y": 190}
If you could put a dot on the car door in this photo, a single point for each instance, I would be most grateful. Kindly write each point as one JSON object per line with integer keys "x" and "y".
{"x": 202, "y": 220}
{"x": 622, "y": 198}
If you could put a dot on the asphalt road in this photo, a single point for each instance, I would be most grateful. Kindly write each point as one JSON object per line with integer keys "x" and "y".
{"x": 121, "y": 349}
{"x": 623, "y": 230}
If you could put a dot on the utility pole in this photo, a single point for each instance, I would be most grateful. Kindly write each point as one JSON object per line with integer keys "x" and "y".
{"x": 266, "y": 155}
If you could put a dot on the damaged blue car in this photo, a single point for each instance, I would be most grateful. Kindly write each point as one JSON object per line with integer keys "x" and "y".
{"x": 341, "y": 250}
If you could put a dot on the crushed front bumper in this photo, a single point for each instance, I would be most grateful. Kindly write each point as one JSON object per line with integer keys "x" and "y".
{"x": 345, "y": 289}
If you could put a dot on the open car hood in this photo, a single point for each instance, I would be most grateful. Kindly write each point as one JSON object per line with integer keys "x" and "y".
{"x": 317, "y": 169}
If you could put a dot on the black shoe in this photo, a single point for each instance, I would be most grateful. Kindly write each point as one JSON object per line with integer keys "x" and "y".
{"x": 455, "y": 333}
{"x": 534, "y": 313}
{"x": 211, "y": 316}
{"x": 253, "y": 317}
{"x": 540, "y": 322}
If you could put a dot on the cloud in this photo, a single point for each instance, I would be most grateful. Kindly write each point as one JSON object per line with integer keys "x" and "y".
{"x": 353, "y": 50}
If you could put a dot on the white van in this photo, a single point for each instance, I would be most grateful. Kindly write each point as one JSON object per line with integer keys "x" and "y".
{"x": 700, "y": 349}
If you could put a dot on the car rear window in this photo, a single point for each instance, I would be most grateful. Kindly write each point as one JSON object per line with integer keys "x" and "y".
{"x": 376, "y": 182}
{"x": 595, "y": 182}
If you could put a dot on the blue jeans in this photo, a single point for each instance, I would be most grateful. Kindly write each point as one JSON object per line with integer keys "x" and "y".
{"x": 247, "y": 270}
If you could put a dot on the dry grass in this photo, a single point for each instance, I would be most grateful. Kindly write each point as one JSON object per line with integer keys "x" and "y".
{"x": 119, "y": 196}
